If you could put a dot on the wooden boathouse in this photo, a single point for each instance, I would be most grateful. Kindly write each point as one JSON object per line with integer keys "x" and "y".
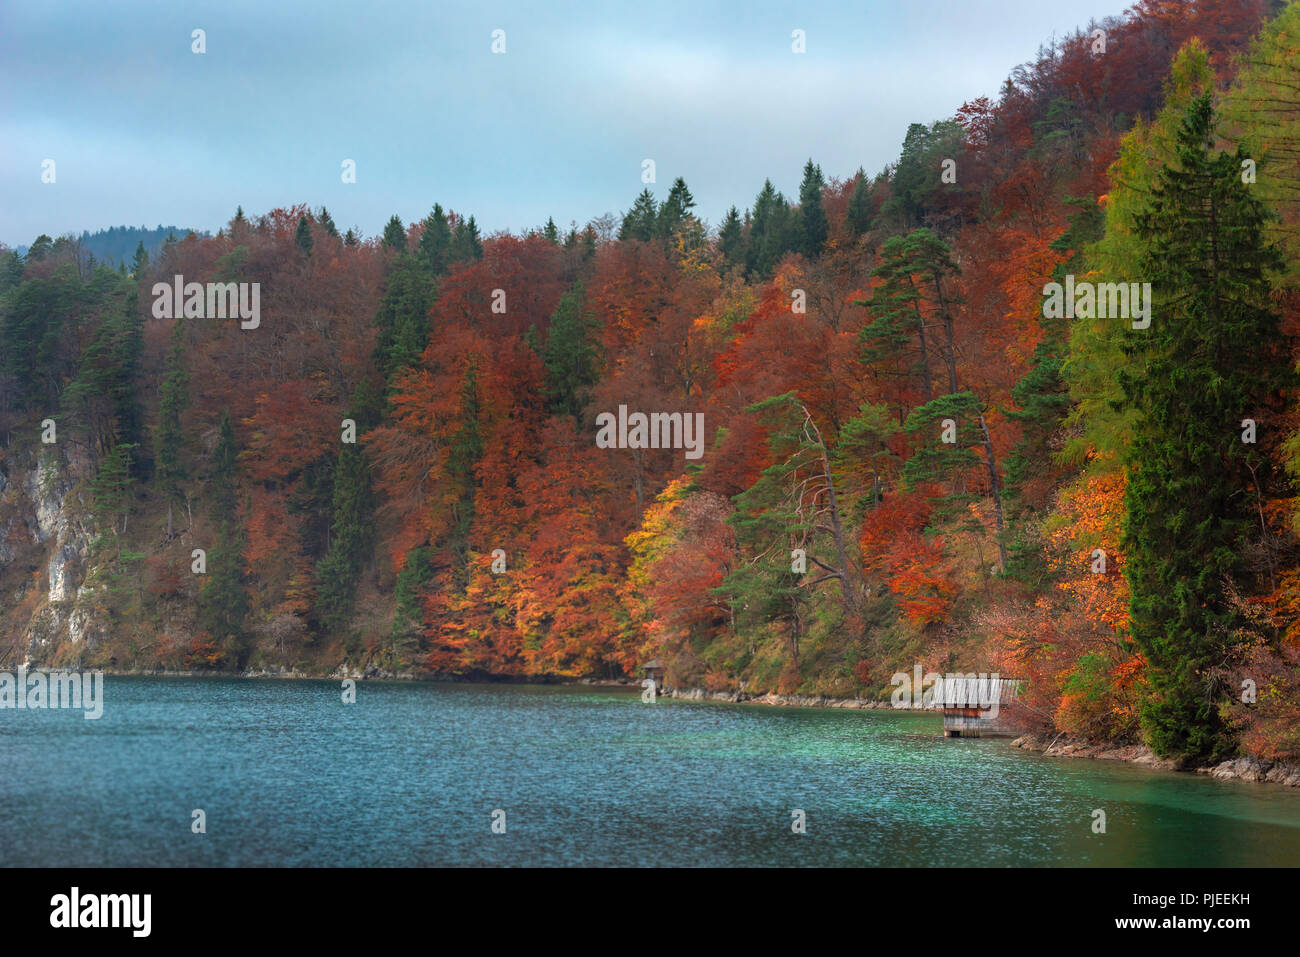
{"x": 654, "y": 670}
{"x": 976, "y": 706}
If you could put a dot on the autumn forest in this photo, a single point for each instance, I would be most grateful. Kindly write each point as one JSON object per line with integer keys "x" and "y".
{"x": 906, "y": 455}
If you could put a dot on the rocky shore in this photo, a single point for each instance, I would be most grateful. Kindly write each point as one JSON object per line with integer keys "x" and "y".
{"x": 1244, "y": 768}
{"x": 777, "y": 700}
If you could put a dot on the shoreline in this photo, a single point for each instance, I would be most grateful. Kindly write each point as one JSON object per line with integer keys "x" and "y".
{"x": 1241, "y": 768}
{"x": 772, "y": 699}
{"x": 1246, "y": 767}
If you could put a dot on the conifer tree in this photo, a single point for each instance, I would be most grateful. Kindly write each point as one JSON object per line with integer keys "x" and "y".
{"x": 350, "y": 537}
{"x": 327, "y": 222}
{"x": 794, "y": 504}
{"x": 303, "y": 238}
{"x": 223, "y": 476}
{"x": 395, "y": 235}
{"x": 223, "y": 603}
{"x": 859, "y": 212}
{"x": 435, "y": 241}
{"x": 764, "y": 205}
{"x": 569, "y": 355}
{"x": 403, "y": 317}
{"x": 813, "y": 225}
{"x": 731, "y": 238}
{"x": 140, "y": 265}
{"x": 169, "y": 437}
{"x": 1212, "y": 356}
{"x": 674, "y": 210}
{"x": 112, "y": 488}
{"x": 466, "y": 245}
{"x": 408, "y": 613}
{"x": 639, "y": 223}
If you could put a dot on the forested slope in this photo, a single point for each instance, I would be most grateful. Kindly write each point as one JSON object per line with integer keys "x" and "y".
{"x": 909, "y": 455}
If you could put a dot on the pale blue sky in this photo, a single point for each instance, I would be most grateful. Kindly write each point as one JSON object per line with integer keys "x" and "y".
{"x": 143, "y": 131}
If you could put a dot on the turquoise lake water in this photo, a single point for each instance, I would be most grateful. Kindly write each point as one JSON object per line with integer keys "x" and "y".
{"x": 411, "y": 775}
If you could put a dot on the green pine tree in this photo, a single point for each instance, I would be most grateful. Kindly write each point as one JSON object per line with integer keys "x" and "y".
{"x": 112, "y": 489}
{"x": 435, "y": 241}
{"x": 466, "y": 244}
{"x": 570, "y": 355}
{"x": 350, "y": 538}
{"x": 860, "y": 211}
{"x": 953, "y": 436}
{"x": 1213, "y": 356}
{"x": 327, "y": 222}
{"x": 639, "y": 222}
{"x": 303, "y": 238}
{"x": 403, "y": 317}
{"x": 674, "y": 209}
{"x": 140, "y": 265}
{"x": 731, "y": 238}
{"x": 223, "y": 476}
{"x": 223, "y": 601}
{"x": 408, "y": 592}
{"x": 814, "y": 227}
{"x": 169, "y": 436}
{"x": 395, "y": 235}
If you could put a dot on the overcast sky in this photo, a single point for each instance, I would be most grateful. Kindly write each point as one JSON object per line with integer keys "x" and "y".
{"x": 145, "y": 131}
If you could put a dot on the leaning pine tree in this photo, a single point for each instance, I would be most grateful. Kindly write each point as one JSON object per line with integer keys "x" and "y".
{"x": 1214, "y": 355}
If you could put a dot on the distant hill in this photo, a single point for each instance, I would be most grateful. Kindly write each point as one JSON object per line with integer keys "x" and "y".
{"x": 117, "y": 243}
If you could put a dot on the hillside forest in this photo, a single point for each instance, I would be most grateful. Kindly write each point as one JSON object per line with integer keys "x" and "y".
{"x": 913, "y": 452}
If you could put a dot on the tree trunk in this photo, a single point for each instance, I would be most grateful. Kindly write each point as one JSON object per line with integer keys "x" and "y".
{"x": 925, "y": 352}
{"x": 950, "y": 334}
{"x": 837, "y": 527}
{"x": 996, "y": 486}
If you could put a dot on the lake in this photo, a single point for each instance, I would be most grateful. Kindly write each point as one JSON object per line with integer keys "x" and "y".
{"x": 412, "y": 773}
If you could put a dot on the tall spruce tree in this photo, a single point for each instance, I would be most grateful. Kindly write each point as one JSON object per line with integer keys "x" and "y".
{"x": 639, "y": 222}
{"x": 859, "y": 212}
{"x": 222, "y": 478}
{"x": 223, "y": 603}
{"x": 350, "y": 537}
{"x": 169, "y": 436}
{"x": 112, "y": 489}
{"x": 435, "y": 241}
{"x": 327, "y": 222}
{"x": 570, "y": 355}
{"x": 813, "y": 225}
{"x": 674, "y": 210}
{"x": 402, "y": 320}
{"x": 731, "y": 238}
{"x": 140, "y": 265}
{"x": 466, "y": 246}
{"x": 303, "y": 237}
{"x": 395, "y": 234}
{"x": 914, "y": 291}
{"x": 1213, "y": 356}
